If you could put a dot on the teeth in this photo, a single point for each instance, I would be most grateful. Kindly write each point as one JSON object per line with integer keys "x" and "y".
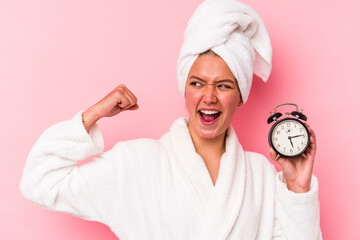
{"x": 207, "y": 112}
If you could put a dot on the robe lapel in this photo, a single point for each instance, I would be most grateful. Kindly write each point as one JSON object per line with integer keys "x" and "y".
{"x": 228, "y": 196}
{"x": 191, "y": 166}
{"x": 218, "y": 205}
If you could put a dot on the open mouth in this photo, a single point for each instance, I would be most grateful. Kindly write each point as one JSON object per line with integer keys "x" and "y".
{"x": 209, "y": 116}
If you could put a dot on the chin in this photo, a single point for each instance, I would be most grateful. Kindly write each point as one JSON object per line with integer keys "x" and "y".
{"x": 209, "y": 134}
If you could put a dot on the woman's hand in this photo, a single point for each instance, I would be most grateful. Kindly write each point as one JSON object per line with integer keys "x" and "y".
{"x": 118, "y": 100}
{"x": 297, "y": 171}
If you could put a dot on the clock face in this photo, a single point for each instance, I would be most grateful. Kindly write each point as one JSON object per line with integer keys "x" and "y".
{"x": 289, "y": 137}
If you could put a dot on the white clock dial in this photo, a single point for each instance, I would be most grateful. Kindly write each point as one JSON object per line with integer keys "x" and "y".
{"x": 290, "y": 137}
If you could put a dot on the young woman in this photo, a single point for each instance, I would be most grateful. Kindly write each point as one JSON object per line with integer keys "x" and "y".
{"x": 196, "y": 181}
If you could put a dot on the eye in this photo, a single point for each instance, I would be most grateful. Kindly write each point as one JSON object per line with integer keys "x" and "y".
{"x": 224, "y": 86}
{"x": 196, "y": 84}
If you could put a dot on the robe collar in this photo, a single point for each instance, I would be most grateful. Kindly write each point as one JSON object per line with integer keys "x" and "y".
{"x": 218, "y": 205}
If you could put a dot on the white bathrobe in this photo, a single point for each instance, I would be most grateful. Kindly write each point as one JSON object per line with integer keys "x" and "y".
{"x": 161, "y": 189}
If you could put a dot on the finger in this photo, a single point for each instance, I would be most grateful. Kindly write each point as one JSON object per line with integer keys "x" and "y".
{"x": 135, "y": 107}
{"x": 132, "y": 95}
{"x": 119, "y": 94}
{"x": 132, "y": 101}
{"x": 123, "y": 102}
{"x": 312, "y": 134}
{"x": 312, "y": 139}
{"x": 312, "y": 148}
{"x": 311, "y": 131}
{"x": 126, "y": 91}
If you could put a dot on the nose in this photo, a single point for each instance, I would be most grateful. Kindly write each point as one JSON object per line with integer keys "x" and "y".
{"x": 210, "y": 94}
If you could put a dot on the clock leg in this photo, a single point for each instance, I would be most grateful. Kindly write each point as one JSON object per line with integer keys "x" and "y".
{"x": 277, "y": 157}
{"x": 303, "y": 155}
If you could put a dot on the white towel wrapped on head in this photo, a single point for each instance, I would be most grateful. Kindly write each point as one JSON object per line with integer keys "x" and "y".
{"x": 236, "y": 33}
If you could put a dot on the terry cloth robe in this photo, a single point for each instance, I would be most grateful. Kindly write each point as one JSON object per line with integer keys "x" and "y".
{"x": 161, "y": 189}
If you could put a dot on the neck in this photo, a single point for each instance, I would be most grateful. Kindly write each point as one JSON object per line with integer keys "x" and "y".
{"x": 208, "y": 148}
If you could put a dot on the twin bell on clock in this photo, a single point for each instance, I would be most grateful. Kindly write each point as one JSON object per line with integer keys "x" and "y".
{"x": 289, "y": 137}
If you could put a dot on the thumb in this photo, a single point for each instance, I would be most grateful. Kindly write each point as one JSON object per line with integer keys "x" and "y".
{"x": 272, "y": 154}
{"x": 281, "y": 161}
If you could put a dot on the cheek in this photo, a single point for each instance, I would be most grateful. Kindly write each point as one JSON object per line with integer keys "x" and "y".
{"x": 230, "y": 103}
{"x": 191, "y": 100}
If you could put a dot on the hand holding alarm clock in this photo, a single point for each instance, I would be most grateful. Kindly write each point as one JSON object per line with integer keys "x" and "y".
{"x": 293, "y": 146}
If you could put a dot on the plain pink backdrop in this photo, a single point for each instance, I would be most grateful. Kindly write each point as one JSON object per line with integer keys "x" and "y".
{"x": 57, "y": 57}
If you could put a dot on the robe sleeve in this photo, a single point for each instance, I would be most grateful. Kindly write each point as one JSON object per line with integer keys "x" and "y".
{"x": 297, "y": 215}
{"x": 52, "y": 179}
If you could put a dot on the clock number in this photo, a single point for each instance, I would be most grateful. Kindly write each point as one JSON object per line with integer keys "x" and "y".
{"x": 276, "y": 139}
{"x": 301, "y": 129}
{"x": 284, "y": 149}
{"x": 282, "y": 127}
{"x": 288, "y": 124}
{"x": 295, "y": 125}
{"x": 302, "y": 142}
{"x": 278, "y": 145}
{"x": 291, "y": 150}
{"x": 277, "y": 132}
{"x": 298, "y": 148}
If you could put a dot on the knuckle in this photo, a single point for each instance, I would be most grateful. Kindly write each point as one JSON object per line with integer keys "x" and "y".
{"x": 121, "y": 87}
{"x": 117, "y": 94}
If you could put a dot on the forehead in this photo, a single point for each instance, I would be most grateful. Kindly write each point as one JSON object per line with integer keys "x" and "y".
{"x": 211, "y": 68}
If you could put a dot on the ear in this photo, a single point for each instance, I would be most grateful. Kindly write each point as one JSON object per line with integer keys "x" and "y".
{"x": 240, "y": 101}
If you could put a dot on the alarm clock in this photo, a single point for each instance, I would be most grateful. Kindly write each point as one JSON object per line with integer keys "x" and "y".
{"x": 289, "y": 137}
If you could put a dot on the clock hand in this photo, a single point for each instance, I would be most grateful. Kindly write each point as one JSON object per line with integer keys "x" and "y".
{"x": 291, "y": 141}
{"x": 296, "y": 136}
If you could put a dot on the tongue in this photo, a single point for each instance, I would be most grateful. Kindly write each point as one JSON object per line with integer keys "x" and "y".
{"x": 209, "y": 117}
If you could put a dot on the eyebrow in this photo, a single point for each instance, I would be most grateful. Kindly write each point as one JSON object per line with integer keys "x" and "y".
{"x": 222, "y": 80}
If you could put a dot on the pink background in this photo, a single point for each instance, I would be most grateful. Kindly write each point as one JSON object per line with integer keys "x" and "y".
{"x": 57, "y": 57}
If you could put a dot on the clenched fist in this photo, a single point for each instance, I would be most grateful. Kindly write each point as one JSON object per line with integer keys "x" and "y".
{"x": 118, "y": 100}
